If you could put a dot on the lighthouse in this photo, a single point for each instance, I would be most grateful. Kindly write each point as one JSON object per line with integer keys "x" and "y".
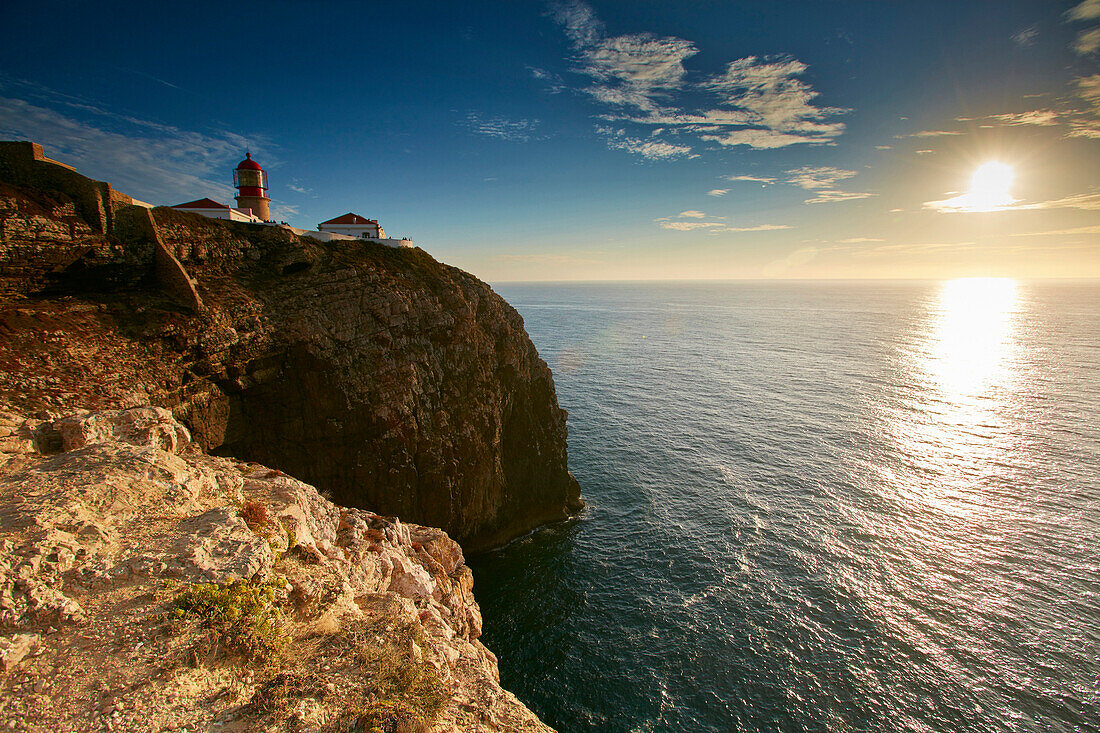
{"x": 251, "y": 183}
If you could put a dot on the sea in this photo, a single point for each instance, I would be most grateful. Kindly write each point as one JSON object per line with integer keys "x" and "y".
{"x": 813, "y": 506}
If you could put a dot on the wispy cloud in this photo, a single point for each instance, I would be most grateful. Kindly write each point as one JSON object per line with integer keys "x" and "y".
{"x": 759, "y": 228}
{"x": 692, "y": 214}
{"x": 687, "y": 226}
{"x": 147, "y": 159}
{"x": 813, "y": 178}
{"x": 713, "y": 227}
{"x": 1060, "y": 232}
{"x": 776, "y": 100}
{"x": 642, "y": 79}
{"x": 500, "y": 127}
{"x": 754, "y": 179}
{"x": 830, "y": 197}
{"x": 928, "y": 133}
{"x": 553, "y": 83}
{"x": 963, "y": 204}
{"x": 1040, "y": 117}
{"x": 822, "y": 180}
{"x": 1088, "y": 39}
{"x": 648, "y": 148}
{"x": 859, "y": 240}
{"x": 718, "y": 192}
{"x": 1085, "y": 201}
{"x": 1026, "y": 37}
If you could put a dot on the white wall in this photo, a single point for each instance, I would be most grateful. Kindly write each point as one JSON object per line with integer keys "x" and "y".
{"x": 229, "y": 214}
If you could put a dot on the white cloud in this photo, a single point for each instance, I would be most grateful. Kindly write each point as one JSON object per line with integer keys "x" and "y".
{"x": 687, "y": 226}
{"x": 1085, "y": 201}
{"x": 757, "y": 102}
{"x": 859, "y": 240}
{"x": 763, "y": 139}
{"x": 812, "y": 178}
{"x": 1041, "y": 117}
{"x": 1087, "y": 10}
{"x": 500, "y": 127}
{"x": 718, "y": 192}
{"x": 692, "y": 214}
{"x": 756, "y": 179}
{"x": 928, "y": 133}
{"x": 713, "y": 227}
{"x": 884, "y": 147}
{"x": 649, "y": 149}
{"x": 829, "y": 197}
{"x": 1087, "y": 42}
{"x": 1075, "y": 230}
{"x": 776, "y": 99}
{"x": 759, "y": 228}
{"x": 149, "y": 160}
{"x": 629, "y": 70}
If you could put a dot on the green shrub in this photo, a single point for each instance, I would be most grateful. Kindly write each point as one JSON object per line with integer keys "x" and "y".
{"x": 242, "y": 618}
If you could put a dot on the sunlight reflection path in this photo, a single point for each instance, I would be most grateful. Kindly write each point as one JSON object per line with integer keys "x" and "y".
{"x": 965, "y": 378}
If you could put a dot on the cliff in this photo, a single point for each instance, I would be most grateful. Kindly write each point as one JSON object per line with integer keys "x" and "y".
{"x": 147, "y": 586}
{"x": 385, "y": 378}
{"x": 153, "y": 574}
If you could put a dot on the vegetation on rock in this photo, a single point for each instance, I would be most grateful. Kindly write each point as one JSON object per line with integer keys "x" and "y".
{"x": 240, "y": 618}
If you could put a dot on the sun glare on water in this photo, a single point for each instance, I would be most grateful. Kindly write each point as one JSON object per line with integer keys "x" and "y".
{"x": 972, "y": 335}
{"x": 965, "y": 368}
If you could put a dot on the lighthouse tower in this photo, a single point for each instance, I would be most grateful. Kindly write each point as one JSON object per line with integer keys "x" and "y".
{"x": 251, "y": 183}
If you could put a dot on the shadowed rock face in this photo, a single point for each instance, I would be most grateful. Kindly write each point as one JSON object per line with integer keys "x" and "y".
{"x": 399, "y": 384}
{"x": 379, "y": 375}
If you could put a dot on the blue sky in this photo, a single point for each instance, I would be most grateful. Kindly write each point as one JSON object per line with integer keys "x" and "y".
{"x": 601, "y": 140}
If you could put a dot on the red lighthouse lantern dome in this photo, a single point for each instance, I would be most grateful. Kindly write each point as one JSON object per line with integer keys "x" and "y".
{"x": 248, "y": 164}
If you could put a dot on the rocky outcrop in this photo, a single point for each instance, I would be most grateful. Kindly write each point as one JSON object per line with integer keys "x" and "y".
{"x": 113, "y": 524}
{"x": 385, "y": 378}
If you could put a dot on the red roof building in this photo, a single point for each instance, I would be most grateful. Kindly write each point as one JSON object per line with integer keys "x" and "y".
{"x": 353, "y": 225}
{"x": 211, "y": 209}
{"x": 201, "y": 204}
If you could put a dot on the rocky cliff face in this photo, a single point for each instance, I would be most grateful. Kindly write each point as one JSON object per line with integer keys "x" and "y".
{"x": 145, "y": 585}
{"x": 385, "y": 378}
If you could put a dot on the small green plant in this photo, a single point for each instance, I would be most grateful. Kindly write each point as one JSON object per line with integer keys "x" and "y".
{"x": 242, "y": 618}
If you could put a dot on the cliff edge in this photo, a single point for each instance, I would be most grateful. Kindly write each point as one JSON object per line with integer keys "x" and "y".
{"x": 388, "y": 380}
{"x": 147, "y": 586}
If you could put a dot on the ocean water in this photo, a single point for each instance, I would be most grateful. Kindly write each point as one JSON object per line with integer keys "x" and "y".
{"x": 814, "y": 507}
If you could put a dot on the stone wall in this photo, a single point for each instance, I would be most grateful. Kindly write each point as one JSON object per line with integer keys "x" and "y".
{"x": 24, "y": 164}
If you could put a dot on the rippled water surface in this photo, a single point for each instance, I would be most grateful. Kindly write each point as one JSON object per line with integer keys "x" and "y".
{"x": 819, "y": 507}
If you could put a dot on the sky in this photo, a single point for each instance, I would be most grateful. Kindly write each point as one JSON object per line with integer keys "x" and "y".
{"x": 601, "y": 140}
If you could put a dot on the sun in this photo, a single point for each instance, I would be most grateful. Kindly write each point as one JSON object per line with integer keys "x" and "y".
{"x": 989, "y": 191}
{"x": 989, "y": 187}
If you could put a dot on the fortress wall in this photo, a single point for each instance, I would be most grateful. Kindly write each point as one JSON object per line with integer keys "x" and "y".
{"x": 24, "y": 164}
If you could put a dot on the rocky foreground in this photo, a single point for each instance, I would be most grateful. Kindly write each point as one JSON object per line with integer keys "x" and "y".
{"x": 148, "y": 586}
